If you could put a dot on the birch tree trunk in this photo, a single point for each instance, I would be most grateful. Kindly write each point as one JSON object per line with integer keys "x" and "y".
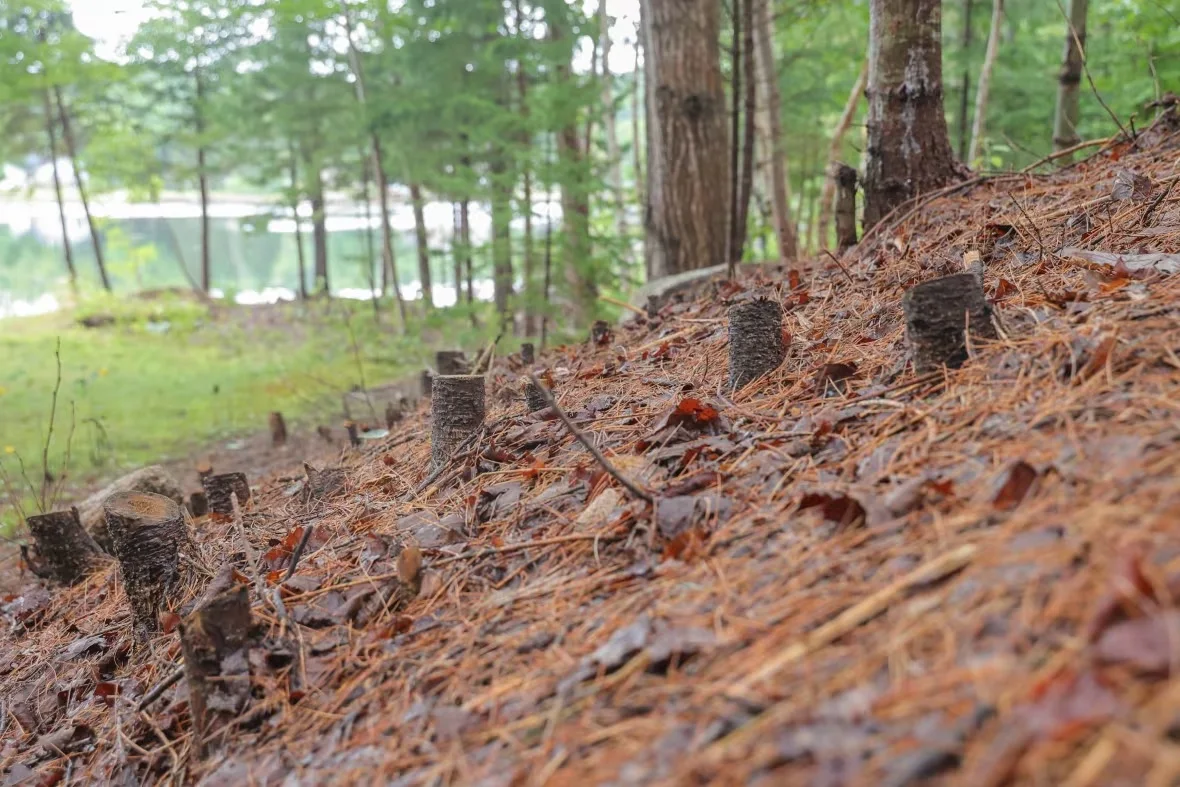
{"x": 1065, "y": 119}
{"x": 687, "y": 162}
{"x": 67, "y": 133}
{"x": 828, "y": 195}
{"x": 909, "y": 152}
{"x": 985, "y": 77}
{"x": 772, "y": 105}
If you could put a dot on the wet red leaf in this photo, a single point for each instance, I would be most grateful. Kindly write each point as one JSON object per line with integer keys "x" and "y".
{"x": 1018, "y": 480}
{"x": 169, "y": 621}
{"x": 106, "y": 693}
{"x": 686, "y": 546}
{"x": 794, "y": 280}
{"x": 1004, "y": 288}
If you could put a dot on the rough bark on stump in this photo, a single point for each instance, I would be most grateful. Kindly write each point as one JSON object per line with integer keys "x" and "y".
{"x": 214, "y": 640}
{"x": 278, "y": 429}
{"x": 938, "y": 316}
{"x": 153, "y": 478}
{"x": 149, "y": 533}
{"x": 528, "y": 353}
{"x": 451, "y": 362}
{"x": 354, "y": 433}
{"x": 600, "y": 332}
{"x": 845, "y": 207}
{"x": 65, "y": 551}
{"x": 322, "y": 483}
{"x": 534, "y": 396}
{"x": 457, "y": 410}
{"x": 198, "y": 504}
{"x": 220, "y": 488}
{"x": 755, "y": 340}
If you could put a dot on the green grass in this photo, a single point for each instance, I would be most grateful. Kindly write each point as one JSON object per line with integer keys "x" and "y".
{"x": 134, "y": 394}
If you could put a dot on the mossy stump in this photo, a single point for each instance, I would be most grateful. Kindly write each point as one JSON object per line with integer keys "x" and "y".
{"x": 457, "y": 409}
{"x": 65, "y": 552}
{"x": 149, "y": 534}
{"x": 755, "y": 340}
{"x": 939, "y": 315}
{"x": 214, "y": 641}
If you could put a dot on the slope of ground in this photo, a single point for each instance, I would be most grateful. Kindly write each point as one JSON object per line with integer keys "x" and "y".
{"x": 851, "y": 574}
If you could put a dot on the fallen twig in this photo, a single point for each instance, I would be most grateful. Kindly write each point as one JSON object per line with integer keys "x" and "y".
{"x": 160, "y": 688}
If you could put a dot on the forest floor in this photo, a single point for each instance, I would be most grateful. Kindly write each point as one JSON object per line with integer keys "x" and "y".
{"x": 843, "y": 574}
{"x": 167, "y": 379}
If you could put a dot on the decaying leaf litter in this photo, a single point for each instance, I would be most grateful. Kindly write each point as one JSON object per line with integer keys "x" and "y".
{"x": 851, "y": 574}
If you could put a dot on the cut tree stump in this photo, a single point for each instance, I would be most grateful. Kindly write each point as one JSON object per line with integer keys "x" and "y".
{"x": 528, "y": 353}
{"x": 322, "y": 483}
{"x": 534, "y": 397}
{"x": 845, "y": 208}
{"x": 939, "y": 314}
{"x": 354, "y": 433}
{"x": 153, "y": 478}
{"x": 198, "y": 504}
{"x": 220, "y": 488}
{"x": 215, "y": 642}
{"x": 278, "y": 429}
{"x": 600, "y": 332}
{"x": 65, "y": 552}
{"x": 457, "y": 410}
{"x": 149, "y": 533}
{"x": 755, "y": 340}
{"x": 451, "y": 362}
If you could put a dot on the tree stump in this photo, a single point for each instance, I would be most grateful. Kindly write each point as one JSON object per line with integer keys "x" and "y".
{"x": 534, "y": 397}
{"x": 214, "y": 640}
{"x": 451, "y": 362}
{"x": 600, "y": 332}
{"x": 457, "y": 410}
{"x": 939, "y": 314}
{"x": 149, "y": 534}
{"x": 278, "y": 429}
{"x": 198, "y": 504}
{"x": 393, "y": 414}
{"x": 204, "y": 470}
{"x": 354, "y": 433}
{"x": 219, "y": 488}
{"x": 528, "y": 353}
{"x": 322, "y": 483}
{"x": 66, "y": 552}
{"x": 755, "y": 340}
{"x": 426, "y": 383}
{"x": 845, "y": 207}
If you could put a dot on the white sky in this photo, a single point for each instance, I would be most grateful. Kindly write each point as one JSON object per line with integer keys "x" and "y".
{"x": 112, "y": 22}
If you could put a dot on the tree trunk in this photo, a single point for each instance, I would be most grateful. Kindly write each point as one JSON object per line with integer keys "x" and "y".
{"x": 51, "y": 129}
{"x": 834, "y": 151}
{"x": 965, "y": 85}
{"x": 1065, "y": 119}
{"x": 985, "y": 76}
{"x": 72, "y": 150}
{"x": 687, "y": 165}
{"x": 388, "y": 259}
{"x": 423, "y": 245}
{"x": 772, "y": 103}
{"x": 909, "y": 152}
{"x": 457, "y": 251}
{"x": 501, "y": 241}
{"x": 746, "y": 187}
{"x": 735, "y": 119}
{"x": 319, "y": 226}
{"x": 636, "y": 114}
{"x": 299, "y": 256}
{"x": 370, "y": 246}
{"x": 615, "y": 165}
{"x": 465, "y": 241}
{"x": 526, "y": 135}
{"x": 203, "y": 180}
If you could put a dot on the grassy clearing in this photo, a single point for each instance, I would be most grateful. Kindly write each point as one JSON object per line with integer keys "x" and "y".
{"x": 171, "y": 375}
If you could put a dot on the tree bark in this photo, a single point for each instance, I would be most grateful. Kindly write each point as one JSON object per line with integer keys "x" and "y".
{"x": 465, "y": 240}
{"x": 51, "y": 130}
{"x": 527, "y": 257}
{"x": 214, "y": 640}
{"x": 457, "y": 251}
{"x": 388, "y": 259}
{"x": 772, "y": 102}
{"x": 501, "y": 243}
{"x": 985, "y": 76}
{"x": 909, "y": 152}
{"x": 319, "y": 227}
{"x": 370, "y": 246}
{"x": 65, "y": 551}
{"x": 636, "y": 115}
{"x": 72, "y": 150}
{"x": 834, "y": 151}
{"x": 299, "y": 256}
{"x": 423, "y": 245}
{"x": 687, "y": 162}
{"x": 965, "y": 84}
{"x": 1065, "y": 118}
{"x": 615, "y": 165}
{"x": 746, "y": 187}
{"x": 735, "y": 119}
{"x": 202, "y": 179}
{"x": 458, "y": 406}
{"x": 845, "y": 177}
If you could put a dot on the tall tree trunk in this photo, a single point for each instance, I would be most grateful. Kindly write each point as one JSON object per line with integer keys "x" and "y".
{"x": 299, "y": 256}
{"x": 51, "y": 130}
{"x": 79, "y": 181}
{"x": 457, "y": 251}
{"x": 772, "y": 105}
{"x": 747, "y": 183}
{"x": 319, "y": 227}
{"x": 202, "y": 179}
{"x": 465, "y": 240}
{"x": 370, "y": 255}
{"x": 965, "y": 84}
{"x": 687, "y": 165}
{"x": 636, "y": 115}
{"x": 735, "y": 119}
{"x": 1065, "y": 118}
{"x": 615, "y": 165}
{"x": 423, "y": 244}
{"x": 501, "y": 240}
{"x": 529, "y": 274}
{"x": 834, "y": 154}
{"x": 908, "y": 149}
{"x": 985, "y": 76}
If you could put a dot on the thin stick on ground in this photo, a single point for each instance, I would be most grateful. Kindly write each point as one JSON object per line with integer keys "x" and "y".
{"x": 45, "y": 484}
{"x": 161, "y": 687}
{"x": 298, "y": 553}
{"x": 589, "y": 445}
